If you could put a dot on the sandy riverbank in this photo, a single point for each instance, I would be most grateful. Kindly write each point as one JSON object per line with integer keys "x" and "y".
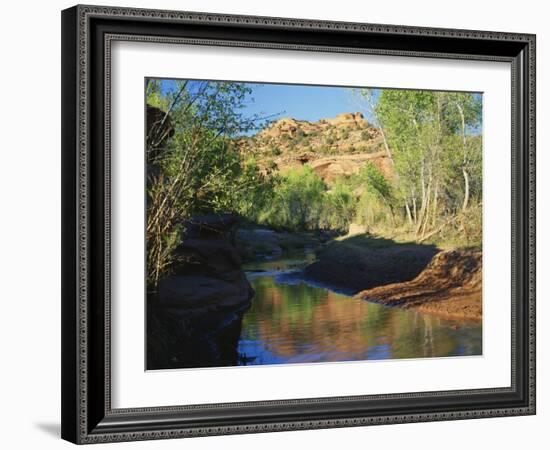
{"x": 450, "y": 286}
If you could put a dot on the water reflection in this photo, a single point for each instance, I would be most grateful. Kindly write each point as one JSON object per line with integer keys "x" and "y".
{"x": 294, "y": 322}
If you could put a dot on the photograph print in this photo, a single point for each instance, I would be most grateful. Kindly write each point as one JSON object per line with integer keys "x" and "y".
{"x": 303, "y": 224}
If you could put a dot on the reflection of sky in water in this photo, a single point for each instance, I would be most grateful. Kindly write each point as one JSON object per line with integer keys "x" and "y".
{"x": 378, "y": 352}
{"x": 294, "y": 322}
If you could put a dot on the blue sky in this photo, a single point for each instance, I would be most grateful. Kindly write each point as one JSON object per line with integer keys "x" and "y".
{"x": 300, "y": 102}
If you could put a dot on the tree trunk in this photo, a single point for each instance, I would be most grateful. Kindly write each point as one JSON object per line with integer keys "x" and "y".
{"x": 420, "y": 219}
{"x": 408, "y": 209}
{"x": 425, "y": 215}
{"x": 464, "y": 158}
{"x": 434, "y": 212}
{"x": 466, "y": 189}
{"x": 372, "y": 107}
{"x": 427, "y": 210}
{"x": 386, "y": 146}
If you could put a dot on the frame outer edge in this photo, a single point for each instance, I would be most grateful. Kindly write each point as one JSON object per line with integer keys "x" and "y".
{"x": 296, "y": 23}
{"x": 69, "y": 264}
{"x": 75, "y": 219}
{"x": 532, "y": 143}
{"x": 83, "y": 179}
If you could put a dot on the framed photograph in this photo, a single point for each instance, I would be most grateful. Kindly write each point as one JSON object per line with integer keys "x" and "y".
{"x": 280, "y": 224}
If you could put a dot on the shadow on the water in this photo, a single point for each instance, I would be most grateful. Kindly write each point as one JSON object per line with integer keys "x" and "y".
{"x": 178, "y": 338}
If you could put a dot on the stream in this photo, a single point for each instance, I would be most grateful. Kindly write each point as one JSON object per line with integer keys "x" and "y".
{"x": 292, "y": 320}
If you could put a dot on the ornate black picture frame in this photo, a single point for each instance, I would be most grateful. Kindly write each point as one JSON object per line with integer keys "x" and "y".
{"x": 87, "y": 34}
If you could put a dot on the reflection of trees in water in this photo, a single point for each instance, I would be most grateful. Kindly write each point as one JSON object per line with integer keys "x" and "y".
{"x": 428, "y": 337}
{"x": 301, "y": 320}
{"x": 298, "y": 322}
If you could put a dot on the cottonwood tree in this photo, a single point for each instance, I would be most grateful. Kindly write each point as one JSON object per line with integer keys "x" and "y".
{"x": 434, "y": 141}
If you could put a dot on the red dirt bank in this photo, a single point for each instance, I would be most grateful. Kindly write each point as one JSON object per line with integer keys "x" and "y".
{"x": 449, "y": 286}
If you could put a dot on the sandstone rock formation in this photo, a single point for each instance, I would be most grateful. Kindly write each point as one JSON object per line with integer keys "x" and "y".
{"x": 332, "y": 147}
{"x": 351, "y": 120}
{"x": 331, "y": 167}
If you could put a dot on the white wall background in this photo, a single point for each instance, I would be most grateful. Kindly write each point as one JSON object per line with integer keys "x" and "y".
{"x": 30, "y": 222}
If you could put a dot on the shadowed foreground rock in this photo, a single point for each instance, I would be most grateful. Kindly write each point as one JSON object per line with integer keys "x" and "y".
{"x": 195, "y": 315}
{"x": 449, "y": 286}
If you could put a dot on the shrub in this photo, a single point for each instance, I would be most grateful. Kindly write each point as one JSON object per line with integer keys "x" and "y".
{"x": 339, "y": 207}
{"x": 365, "y": 135}
{"x": 376, "y": 200}
{"x": 302, "y": 201}
{"x": 372, "y": 210}
{"x": 297, "y": 201}
{"x": 271, "y": 165}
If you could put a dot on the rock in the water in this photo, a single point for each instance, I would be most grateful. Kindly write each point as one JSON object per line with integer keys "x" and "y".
{"x": 258, "y": 243}
{"x": 262, "y": 243}
{"x": 201, "y": 292}
{"x": 207, "y": 271}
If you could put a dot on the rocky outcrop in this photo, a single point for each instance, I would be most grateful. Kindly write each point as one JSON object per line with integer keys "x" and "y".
{"x": 333, "y": 146}
{"x": 351, "y": 120}
{"x": 207, "y": 273}
{"x": 450, "y": 286}
{"x": 293, "y": 127}
{"x": 282, "y": 127}
{"x": 331, "y": 167}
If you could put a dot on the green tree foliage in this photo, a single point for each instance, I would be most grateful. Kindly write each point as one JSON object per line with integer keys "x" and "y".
{"x": 199, "y": 169}
{"x": 373, "y": 180}
{"x": 436, "y": 152}
{"x": 302, "y": 201}
{"x": 376, "y": 199}
{"x": 297, "y": 201}
{"x": 154, "y": 95}
{"x": 340, "y": 207}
